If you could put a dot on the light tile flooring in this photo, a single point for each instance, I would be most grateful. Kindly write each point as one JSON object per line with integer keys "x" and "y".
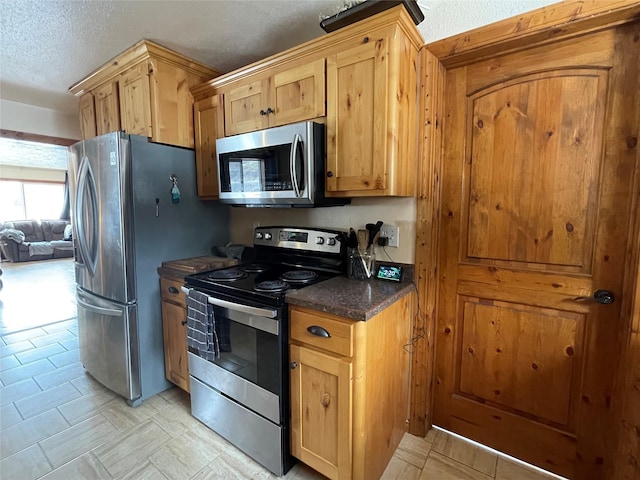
{"x": 58, "y": 423}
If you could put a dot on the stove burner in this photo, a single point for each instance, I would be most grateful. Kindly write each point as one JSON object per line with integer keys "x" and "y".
{"x": 271, "y": 286}
{"x": 299, "y": 276}
{"x": 254, "y": 268}
{"x": 228, "y": 275}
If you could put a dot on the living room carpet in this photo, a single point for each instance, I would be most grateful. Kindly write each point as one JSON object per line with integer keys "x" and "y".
{"x": 35, "y": 294}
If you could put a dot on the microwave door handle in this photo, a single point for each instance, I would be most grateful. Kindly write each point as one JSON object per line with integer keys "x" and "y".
{"x": 292, "y": 163}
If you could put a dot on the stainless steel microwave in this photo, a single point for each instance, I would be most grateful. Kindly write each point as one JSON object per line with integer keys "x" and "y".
{"x": 275, "y": 167}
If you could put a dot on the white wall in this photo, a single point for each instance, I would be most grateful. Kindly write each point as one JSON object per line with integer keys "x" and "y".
{"x": 393, "y": 211}
{"x": 21, "y": 117}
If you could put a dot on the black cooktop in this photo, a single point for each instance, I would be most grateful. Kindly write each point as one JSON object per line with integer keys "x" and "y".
{"x": 261, "y": 283}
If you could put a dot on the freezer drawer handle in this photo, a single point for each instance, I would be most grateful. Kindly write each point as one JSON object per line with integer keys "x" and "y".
{"x": 104, "y": 311}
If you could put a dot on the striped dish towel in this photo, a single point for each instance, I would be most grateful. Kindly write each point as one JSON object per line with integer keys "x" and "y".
{"x": 201, "y": 334}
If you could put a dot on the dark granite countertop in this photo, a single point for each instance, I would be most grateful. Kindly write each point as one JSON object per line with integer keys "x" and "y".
{"x": 356, "y": 299}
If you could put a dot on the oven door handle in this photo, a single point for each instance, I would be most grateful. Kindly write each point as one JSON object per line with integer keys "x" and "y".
{"x": 262, "y": 312}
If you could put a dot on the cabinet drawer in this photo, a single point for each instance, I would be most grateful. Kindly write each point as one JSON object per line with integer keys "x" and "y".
{"x": 340, "y": 341}
{"x": 170, "y": 290}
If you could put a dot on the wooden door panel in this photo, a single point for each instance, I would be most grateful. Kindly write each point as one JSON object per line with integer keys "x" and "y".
{"x": 537, "y": 138}
{"x": 107, "y": 108}
{"x": 135, "y": 108}
{"x": 208, "y": 126}
{"x": 298, "y": 94}
{"x": 356, "y": 116}
{"x": 537, "y": 185}
{"x": 512, "y": 356}
{"x": 242, "y": 107}
{"x": 87, "y": 116}
{"x": 321, "y": 411}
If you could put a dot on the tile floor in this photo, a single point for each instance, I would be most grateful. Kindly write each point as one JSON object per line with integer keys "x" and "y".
{"x": 58, "y": 423}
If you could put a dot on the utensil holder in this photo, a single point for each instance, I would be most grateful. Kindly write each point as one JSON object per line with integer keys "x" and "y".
{"x": 360, "y": 266}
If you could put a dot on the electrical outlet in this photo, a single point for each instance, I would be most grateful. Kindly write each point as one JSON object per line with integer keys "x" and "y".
{"x": 392, "y": 233}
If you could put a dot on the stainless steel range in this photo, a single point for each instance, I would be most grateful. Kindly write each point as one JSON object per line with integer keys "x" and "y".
{"x": 239, "y": 375}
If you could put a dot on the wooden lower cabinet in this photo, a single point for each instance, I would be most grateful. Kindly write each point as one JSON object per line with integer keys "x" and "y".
{"x": 174, "y": 332}
{"x": 349, "y": 391}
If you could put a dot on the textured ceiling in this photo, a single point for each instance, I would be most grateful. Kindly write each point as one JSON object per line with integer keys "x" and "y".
{"x": 47, "y": 45}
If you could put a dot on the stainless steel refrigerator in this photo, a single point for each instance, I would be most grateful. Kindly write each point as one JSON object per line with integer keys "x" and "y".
{"x": 127, "y": 219}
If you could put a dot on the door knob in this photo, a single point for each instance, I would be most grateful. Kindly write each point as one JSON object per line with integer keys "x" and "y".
{"x": 604, "y": 297}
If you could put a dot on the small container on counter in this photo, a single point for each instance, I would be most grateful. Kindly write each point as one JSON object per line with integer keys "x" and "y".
{"x": 360, "y": 265}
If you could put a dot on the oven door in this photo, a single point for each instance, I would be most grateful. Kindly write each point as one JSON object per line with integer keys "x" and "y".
{"x": 249, "y": 368}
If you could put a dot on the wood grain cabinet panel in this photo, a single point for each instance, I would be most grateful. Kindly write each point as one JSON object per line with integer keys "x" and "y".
{"x": 135, "y": 100}
{"x": 107, "y": 108}
{"x": 371, "y": 116}
{"x": 174, "y": 332}
{"x": 87, "y": 116}
{"x": 349, "y": 390}
{"x": 293, "y": 95}
{"x": 209, "y": 125}
{"x": 145, "y": 91}
{"x": 321, "y": 433}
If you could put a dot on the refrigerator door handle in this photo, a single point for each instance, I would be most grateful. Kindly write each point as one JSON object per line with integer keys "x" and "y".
{"x": 86, "y": 184}
{"x": 112, "y": 312}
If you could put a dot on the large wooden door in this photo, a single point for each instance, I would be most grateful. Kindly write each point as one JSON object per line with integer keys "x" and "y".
{"x": 539, "y": 151}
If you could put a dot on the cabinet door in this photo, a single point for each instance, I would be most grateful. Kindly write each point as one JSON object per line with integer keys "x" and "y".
{"x": 107, "y": 108}
{"x": 209, "y": 125}
{"x": 297, "y": 94}
{"x": 175, "y": 344}
{"x": 357, "y": 118}
{"x": 135, "y": 107}
{"x": 244, "y": 108}
{"x": 321, "y": 414}
{"x": 87, "y": 116}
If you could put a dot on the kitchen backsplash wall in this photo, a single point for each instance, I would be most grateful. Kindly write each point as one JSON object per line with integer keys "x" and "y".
{"x": 393, "y": 211}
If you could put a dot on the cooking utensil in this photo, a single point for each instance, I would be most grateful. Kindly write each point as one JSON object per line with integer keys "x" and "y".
{"x": 353, "y": 239}
{"x": 373, "y": 231}
{"x": 363, "y": 240}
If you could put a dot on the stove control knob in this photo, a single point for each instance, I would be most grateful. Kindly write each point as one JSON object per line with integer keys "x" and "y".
{"x": 267, "y": 236}
{"x": 259, "y": 235}
{"x": 319, "y": 240}
{"x": 331, "y": 241}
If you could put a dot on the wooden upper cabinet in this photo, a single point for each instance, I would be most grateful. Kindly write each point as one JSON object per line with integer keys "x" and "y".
{"x": 244, "y": 110}
{"x": 209, "y": 125}
{"x": 135, "y": 105}
{"x": 298, "y": 94}
{"x": 371, "y": 116}
{"x": 87, "y": 116}
{"x": 107, "y": 108}
{"x": 293, "y": 95}
{"x": 361, "y": 81}
{"x": 145, "y": 91}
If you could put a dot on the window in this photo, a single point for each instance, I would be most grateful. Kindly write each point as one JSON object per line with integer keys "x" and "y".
{"x": 20, "y": 200}
{"x": 32, "y": 175}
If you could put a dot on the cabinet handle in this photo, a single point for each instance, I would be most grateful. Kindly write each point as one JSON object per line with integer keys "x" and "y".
{"x": 263, "y": 113}
{"x": 329, "y": 174}
{"x": 318, "y": 331}
{"x": 270, "y": 111}
{"x": 184, "y": 322}
{"x": 173, "y": 290}
{"x": 293, "y": 365}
